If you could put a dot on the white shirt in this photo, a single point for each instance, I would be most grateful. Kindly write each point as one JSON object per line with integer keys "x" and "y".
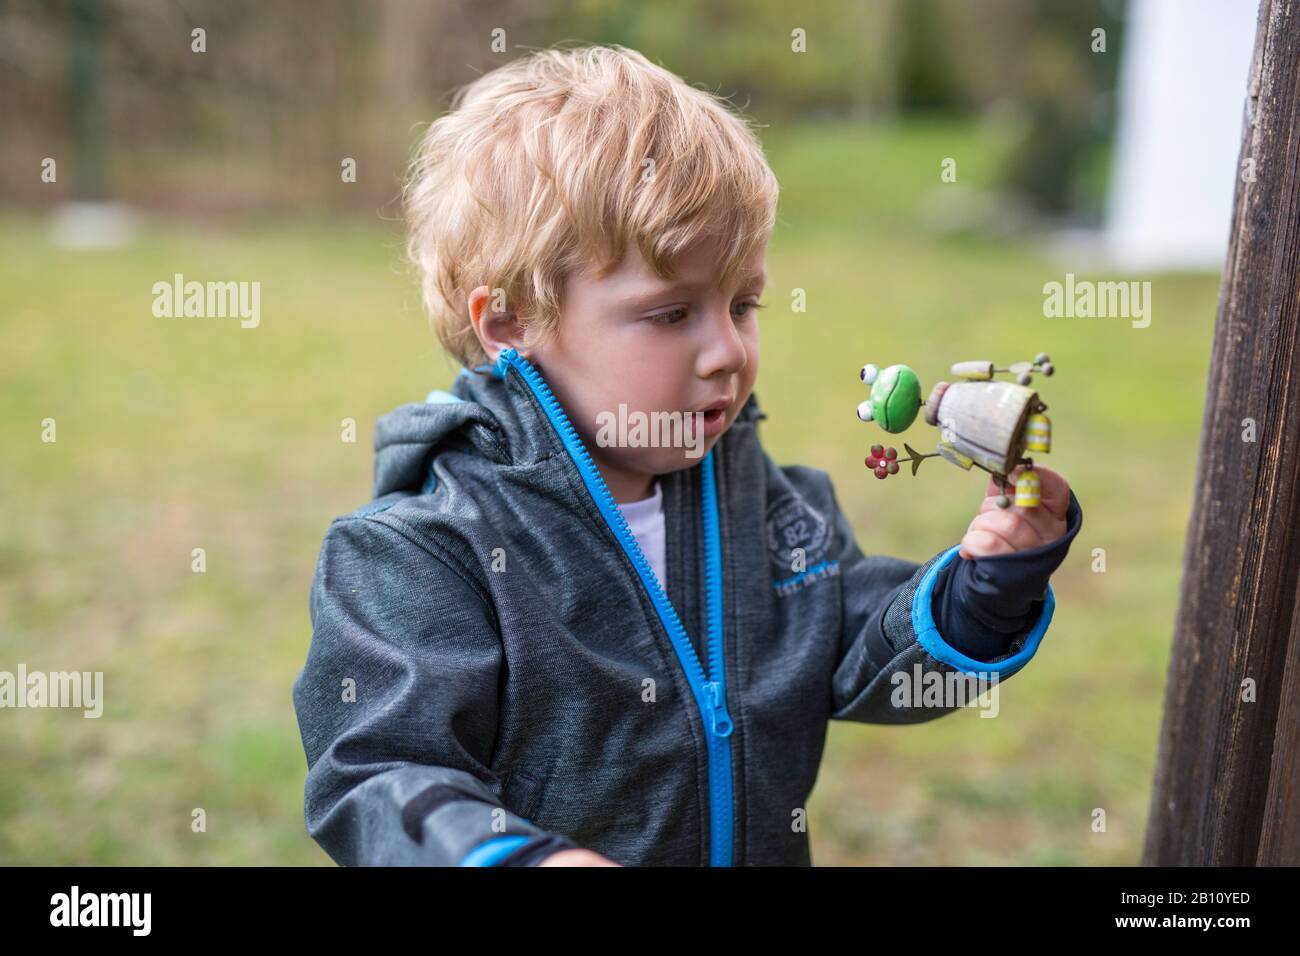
{"x": 645, "y": 519}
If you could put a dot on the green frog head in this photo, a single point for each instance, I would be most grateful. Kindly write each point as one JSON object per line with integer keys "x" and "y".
{"x": 895, "y": 397}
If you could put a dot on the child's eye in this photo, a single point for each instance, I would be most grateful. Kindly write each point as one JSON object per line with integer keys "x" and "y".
{"x": 674, "y": 316}
{"x": 671, "y": 317}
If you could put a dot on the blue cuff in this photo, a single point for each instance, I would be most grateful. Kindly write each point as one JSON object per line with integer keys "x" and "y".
{"x": 493, "y": 851}
{"x": 928, "y": 636}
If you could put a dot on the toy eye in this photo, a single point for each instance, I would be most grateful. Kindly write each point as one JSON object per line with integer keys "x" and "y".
{"x": 864, "y": 411}
{"x": 869, "y": 373}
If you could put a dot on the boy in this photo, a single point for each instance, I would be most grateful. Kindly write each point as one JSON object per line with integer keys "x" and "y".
{"x": 542, "y": 645}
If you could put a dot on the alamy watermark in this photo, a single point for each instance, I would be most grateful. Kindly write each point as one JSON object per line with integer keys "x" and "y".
{"x": 75, "y": 908}
{"x": 213, "y": 300}
{"x": 651, "y": 430}
{"x": 945, "y": 689}
{"x": 82, "y": 689}
{"x": 1086, "y": 299}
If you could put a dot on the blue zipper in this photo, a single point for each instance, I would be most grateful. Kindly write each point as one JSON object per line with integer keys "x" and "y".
{"x": 710, "y": 695}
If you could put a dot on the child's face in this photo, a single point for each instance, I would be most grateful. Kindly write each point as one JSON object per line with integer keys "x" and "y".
{"x": 654, "y": 345}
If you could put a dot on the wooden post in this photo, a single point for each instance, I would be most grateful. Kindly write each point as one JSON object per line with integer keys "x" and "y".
{"x": 1227, "y": 785}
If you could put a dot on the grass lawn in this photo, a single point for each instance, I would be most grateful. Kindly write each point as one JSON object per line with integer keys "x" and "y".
{"x": 176, "y": 434}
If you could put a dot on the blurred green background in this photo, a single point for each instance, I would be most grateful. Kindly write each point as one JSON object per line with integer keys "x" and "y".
{"x": 175, "y": 434}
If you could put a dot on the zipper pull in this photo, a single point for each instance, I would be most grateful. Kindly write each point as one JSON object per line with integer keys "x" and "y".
{"x": 721, "y": 720}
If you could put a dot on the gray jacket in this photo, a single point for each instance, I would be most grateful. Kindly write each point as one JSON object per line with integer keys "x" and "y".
{"x": 495, "y": 669}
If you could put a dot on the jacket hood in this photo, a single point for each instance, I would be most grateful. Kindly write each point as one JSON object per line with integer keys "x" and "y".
{"x": 491, "y": 410}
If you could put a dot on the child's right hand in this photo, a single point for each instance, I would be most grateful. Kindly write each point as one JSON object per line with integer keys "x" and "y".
{"x": 577, "y": 858}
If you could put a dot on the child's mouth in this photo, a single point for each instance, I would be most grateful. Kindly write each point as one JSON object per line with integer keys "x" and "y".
{"x": 711, "y": 422}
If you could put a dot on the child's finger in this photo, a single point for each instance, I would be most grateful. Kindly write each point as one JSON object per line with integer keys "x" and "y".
{"x": 979, "y": 543}
{"x": 1054, "y": 491}
{"x": 1011, "y": 527}
{"x": 1049, "y": 526}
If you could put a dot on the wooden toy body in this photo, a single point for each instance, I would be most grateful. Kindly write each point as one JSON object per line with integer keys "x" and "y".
{"x": 985, "y": 421}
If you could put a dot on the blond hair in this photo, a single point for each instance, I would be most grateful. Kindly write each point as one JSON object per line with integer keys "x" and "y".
{"x": 550, "y": 164}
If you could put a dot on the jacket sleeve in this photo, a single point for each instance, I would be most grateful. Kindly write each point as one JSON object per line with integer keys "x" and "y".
{"x": 397, "y": 707}
{"x": 890, "y": 645}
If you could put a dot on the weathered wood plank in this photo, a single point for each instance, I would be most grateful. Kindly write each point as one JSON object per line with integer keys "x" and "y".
{"x": 1226, "y": 778}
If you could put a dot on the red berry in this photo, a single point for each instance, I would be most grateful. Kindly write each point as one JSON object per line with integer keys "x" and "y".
{"x": 880, "y": 471}
{"x": 891, "y": 453}
{"x": 877, "y": 450}
{"x": 893, "y": 467}
{"x": 872, "y": 461}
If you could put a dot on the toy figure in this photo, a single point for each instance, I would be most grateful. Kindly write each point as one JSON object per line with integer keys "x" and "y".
{"x": 982, "y": 423}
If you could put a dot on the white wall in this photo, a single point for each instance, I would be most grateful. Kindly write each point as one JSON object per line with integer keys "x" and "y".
{"x": 1182, "y": 91}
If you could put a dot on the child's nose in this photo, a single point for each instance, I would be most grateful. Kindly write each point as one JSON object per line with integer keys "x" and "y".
{"x": 724, "y": 348}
